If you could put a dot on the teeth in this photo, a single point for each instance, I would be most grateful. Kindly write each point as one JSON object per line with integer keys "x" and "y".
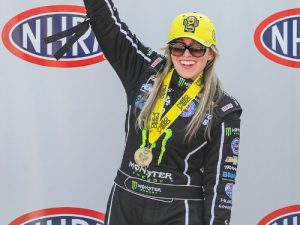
{"x": 187, "y": 63}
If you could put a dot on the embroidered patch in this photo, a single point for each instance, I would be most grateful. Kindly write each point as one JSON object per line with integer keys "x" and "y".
{"x": 189, "y": 111}
{"x": 235, "y": 146}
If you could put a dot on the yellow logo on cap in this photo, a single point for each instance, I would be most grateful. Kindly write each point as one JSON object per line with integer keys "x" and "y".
{"x": 190, "y": 24}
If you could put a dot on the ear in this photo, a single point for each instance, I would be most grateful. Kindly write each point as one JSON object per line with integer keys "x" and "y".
{"x": 210, "y": 55}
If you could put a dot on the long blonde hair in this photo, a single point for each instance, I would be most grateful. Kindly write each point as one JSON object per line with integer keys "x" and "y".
{"x": 209, "y": 96}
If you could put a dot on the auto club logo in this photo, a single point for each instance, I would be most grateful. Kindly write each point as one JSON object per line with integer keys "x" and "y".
{"x": 24, "y": 35}
{"x": 285, "y": 216}
{"x": 61, "y": 216}
{"x": 278, "y": 37}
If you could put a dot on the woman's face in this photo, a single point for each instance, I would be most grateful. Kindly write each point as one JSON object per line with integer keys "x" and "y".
{"x": 187, "y": 65}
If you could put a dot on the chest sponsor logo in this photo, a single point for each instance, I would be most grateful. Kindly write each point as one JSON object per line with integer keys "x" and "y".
{"x": 278, "y": 37}
{"x": 285, "y": 216}
{"x": 61, "y": 216}
{"x": 189, "y": 111}
{"x": 24, "y": 36}
{"x": 150, "y": 175}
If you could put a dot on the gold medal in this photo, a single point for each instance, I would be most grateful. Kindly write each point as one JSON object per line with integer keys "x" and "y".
{"x": 143, "y": 157}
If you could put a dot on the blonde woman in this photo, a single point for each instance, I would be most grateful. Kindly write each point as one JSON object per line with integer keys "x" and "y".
{"x": 182, "y": 129}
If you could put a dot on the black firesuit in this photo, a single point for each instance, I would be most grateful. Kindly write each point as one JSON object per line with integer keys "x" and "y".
{"x": 187, "y": 183}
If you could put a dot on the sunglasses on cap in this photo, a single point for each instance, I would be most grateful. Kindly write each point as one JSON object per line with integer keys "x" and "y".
{"x": 178, "y": 49}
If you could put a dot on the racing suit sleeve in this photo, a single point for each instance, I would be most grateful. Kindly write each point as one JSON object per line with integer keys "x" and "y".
{"x": 220, "y": 169}
{"x": 127, "y": 55}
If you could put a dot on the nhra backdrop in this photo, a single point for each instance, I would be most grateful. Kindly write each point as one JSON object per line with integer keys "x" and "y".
{"x": 62, "y": 122}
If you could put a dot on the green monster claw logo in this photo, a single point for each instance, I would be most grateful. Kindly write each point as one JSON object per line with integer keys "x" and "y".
{"x": 231, "y": 131}
{"x": 134, "y": 185}
{"x": 163, "y": 145}
{"x": 190, "y": 24}
{"x": 228, "y": 131}
{"x": 181, "y": 82}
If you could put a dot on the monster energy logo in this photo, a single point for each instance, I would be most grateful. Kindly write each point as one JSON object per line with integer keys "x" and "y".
{"x": 134, "y": 185}
{"x": 228, "y": 131}
{"x": 181, "y": 82}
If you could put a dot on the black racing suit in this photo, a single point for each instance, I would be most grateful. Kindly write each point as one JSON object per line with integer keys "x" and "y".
{"x": 186, "y": 183}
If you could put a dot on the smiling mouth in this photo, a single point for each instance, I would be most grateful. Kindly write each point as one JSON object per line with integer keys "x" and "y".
{"x": 186, "y": 63}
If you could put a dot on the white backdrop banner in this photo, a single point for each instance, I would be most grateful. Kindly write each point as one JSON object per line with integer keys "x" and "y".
{"x": 62, "y": 125}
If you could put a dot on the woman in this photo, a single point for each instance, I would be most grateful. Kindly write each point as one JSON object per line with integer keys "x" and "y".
{"x": 182, "y": 129}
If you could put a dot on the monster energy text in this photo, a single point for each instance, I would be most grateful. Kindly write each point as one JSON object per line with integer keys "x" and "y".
{"x": 135, "y": 186}
{"x": 148, "y": 175}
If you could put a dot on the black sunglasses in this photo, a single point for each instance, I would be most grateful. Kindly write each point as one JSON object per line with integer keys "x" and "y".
{"x": 178, "y": 49}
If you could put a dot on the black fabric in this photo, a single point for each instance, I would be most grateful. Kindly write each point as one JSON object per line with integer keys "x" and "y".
{"x": 127, "y": 208}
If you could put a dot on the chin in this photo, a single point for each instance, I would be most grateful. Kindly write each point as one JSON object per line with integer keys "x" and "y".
{"x": 188, "y": 75}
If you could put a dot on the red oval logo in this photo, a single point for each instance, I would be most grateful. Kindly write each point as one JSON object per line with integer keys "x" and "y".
{"x": 286, "y": 216}
{"x": 23, "y": 36}
{"x": 61, "y": 216}
{"x": 278, "y": 37}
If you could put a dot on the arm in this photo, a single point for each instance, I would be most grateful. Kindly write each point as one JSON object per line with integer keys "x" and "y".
{"x": 127, "y": 55}
{"x": 220, "y": 170}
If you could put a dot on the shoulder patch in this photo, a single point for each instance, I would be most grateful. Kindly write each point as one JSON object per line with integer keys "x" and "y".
{"x": 227, "y": 105}
{"x": 156, "y": 64}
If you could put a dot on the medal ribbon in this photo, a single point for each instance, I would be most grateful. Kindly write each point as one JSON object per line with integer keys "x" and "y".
{"x": 159, "y": 125}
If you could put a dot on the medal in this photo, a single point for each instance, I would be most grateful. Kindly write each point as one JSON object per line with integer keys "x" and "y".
{"x": 143, "y": 157}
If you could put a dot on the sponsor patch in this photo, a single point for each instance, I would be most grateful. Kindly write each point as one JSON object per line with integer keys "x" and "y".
{"x": 232, "y": 160}
{"x": 229, "y": 131}
{"x": 278, "y": 37}
{"x": 62, "y": 215}
{"x": 189, "y": 111}
{"x": 139, "y": 103}
{"x": 147, "y": 87}
{"x": 235, "y": 146}
{"x": 156, "y": 62}
{"x": 206, "y": 120}
{"x": 227, "y": 107}
{"x": 229, "y": 175}
{"x": 24, "y": 37}
{"x": 285, "y": 216}
{"x": 228, "y": 189}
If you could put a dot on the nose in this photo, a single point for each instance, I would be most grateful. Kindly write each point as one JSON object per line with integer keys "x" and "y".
{"x": 187, "y": 53}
